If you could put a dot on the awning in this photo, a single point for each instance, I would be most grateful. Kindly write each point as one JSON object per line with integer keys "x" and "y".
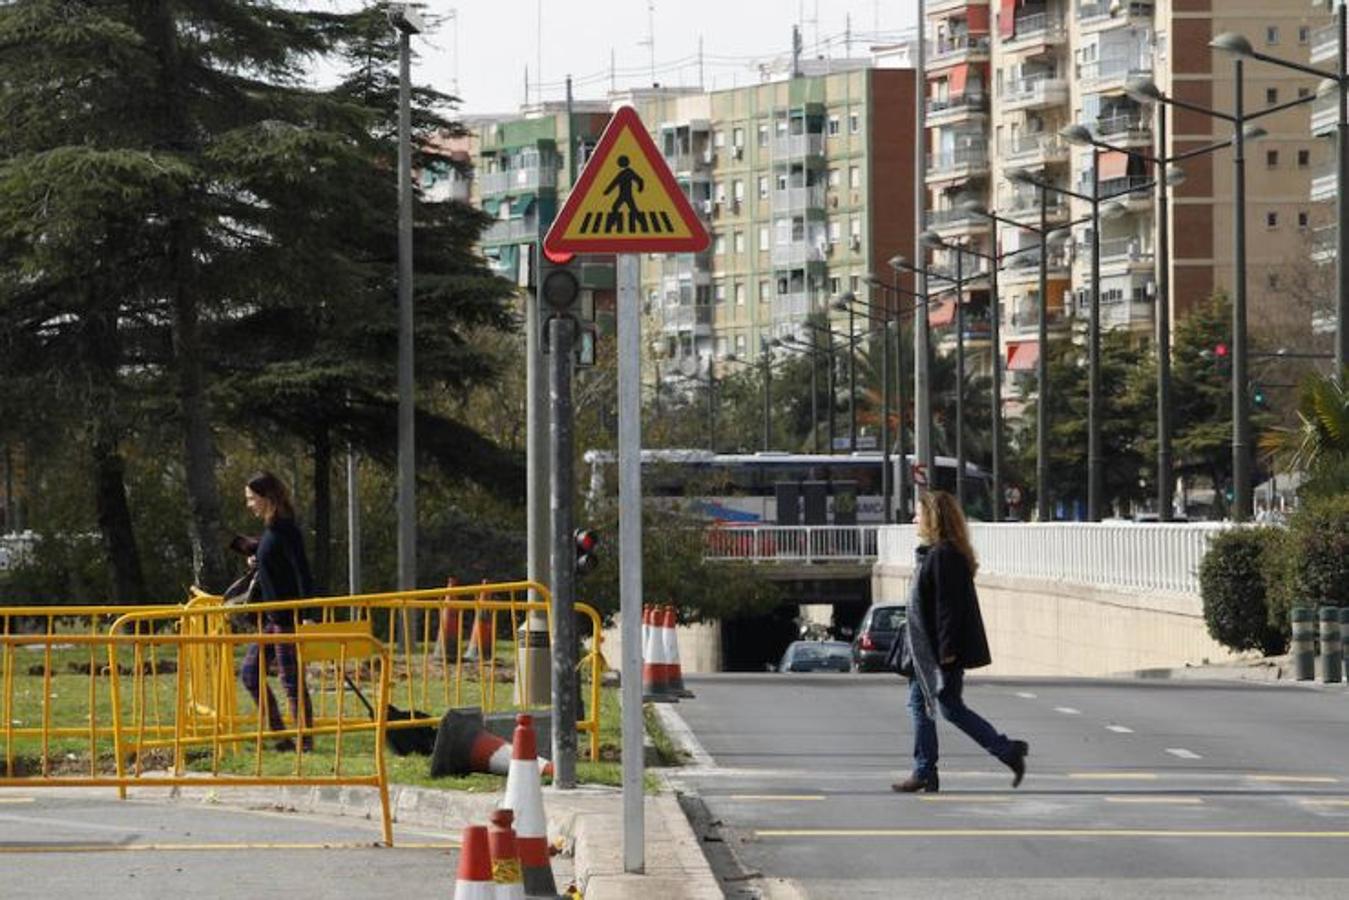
{"x": 941, "y": 315}
{"x": 1007, "y": 18}
{"x": 1022, "y": 356}
{"x": 1114, "y": 164}
{"x": 955, "y": 85}
{"x": 976, "y": 19}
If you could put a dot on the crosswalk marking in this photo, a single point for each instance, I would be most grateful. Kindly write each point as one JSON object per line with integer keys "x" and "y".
{"x": 1068, "y": 710}
{"x": 1175, "y": 801}
{"x": 1183, "y": 753}
{"x": 1026, "y": 695}
{"x": 1120, "y": 729}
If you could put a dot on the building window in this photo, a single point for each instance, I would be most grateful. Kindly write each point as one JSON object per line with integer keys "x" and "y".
{"x": 763, "y": 187}
{"x": 1271, "y": 96}
{"x": 719, "y": 139}
{"x": 738, "y": 190}
{"x": 738, "y": 137}
{"x": 763, "y": 135}
{"x": 854, "y": 283}
{"x": 1304, "y": 159}
{"x": 835, "y": 178}
{"x": 720, "y": 345}
{"x": 719, "y": 244}
{"x": 782, "y": 181}
{"x": 719, "y": 292}
{"x": 1304, "y": 34}
{"x": 1272, "y": 34}
{"x": 833, "y": 126}
{"x": 739, "y": 242}
{"x": 855, "y": 230}
{"x": 1303, "y": 92}
{"x": 719, "y": 191}
{"x": 739, "y": 295}
{"x": 765, "y": 293}
{"x": 1271, "y": 158}
{"x": 740, "y": 345}
{"x": 763, "y": 239}
{"x": 854, "y": 177}
{"x": 835, "y": 284}
{"x": 854, "y": 123}
{"x": 1271, "y": 220}
{"x": 1302, "y": 220}
{"x": 835, "y": 231}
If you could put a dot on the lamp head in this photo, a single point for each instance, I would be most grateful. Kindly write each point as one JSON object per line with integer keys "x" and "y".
{"x": 406, "y": 18}
{"x": 1142, "y": 89}
{"x": 1233, "y": 43}
{"x": 1058, "y": 238}
{"x": 1114, "y": 210}
{"x": 847, "y": 297}
{"x": 930, "y": 238}
{"x": 974, "y": 207}
{"x": 841, "y": 305}
{"x": 898, "y": 262}
{"x": 1326, "y": 87}
{"x": 1175, "y": 175}
{"x": 1076, "y": 134}
{"x": 1253, "y": 132}
{"x": 1019, "y": 176}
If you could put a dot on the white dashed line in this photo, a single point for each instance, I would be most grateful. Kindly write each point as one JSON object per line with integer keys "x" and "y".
{"x": 1068, "y": 710}
{"x": 1025, "y": 695}
{"x": 1183, "y": 753}
{"x": 1120, "y": 729}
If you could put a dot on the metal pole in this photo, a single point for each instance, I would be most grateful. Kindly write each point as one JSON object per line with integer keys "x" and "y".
{"x": 833, "y": 395}
{"x": 1342, "y": 198}
{"x": 630, "y": 556}
{"x": 901, "y": 488}
{"x": 994, "y": 343}
{"x": 1241, "y": 422}
{"x": 922, "y": 394}
{"x": 538, "y": 655}
{"x": 711, "y": 407}
{"x": 852, "y": 380}
{"x": 407, "y": 457}
{"x": 1094, "y": 461}
{"x": 887, "y": 486}
{"x": 1163, "y": 316}
{"x": 561, "y": 331}
{"x": 814, "y": 402}
{"x": 767, "y": 398}
{"x": 960, "y": 376}
{"x": 353, "y": 521}
{"x": 1042, "y": 505}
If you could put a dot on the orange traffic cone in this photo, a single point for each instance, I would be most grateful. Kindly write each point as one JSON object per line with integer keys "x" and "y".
{"x": 524, "y": 796}
{"x": 463, "y": 745}
{"x": 505, "y": 857}
{"x": 655, "y": 666}
{"x": 474, "y": 881}
{"x": 672, "y": 654}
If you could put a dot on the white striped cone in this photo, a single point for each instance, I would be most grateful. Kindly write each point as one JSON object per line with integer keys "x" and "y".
{"x": 524, "y": 797}
{"x": 656, "y": 665}
{"x": 474, "y": 881}
{"x": 672, "y": 654}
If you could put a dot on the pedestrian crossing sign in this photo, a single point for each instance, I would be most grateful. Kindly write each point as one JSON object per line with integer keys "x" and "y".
{"x": 626, "y": 200}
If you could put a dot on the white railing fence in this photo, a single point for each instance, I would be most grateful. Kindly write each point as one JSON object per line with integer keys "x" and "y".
{"x": 792, "y": 543}
{"x": 1143, "y": 557}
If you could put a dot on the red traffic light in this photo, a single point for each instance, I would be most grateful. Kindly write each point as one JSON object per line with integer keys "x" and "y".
{"x": 1220, "y": 350}
{"x": 586, "y": 542}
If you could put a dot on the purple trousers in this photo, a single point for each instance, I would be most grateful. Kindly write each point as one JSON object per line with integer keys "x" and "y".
{"x": 290, "y": 677}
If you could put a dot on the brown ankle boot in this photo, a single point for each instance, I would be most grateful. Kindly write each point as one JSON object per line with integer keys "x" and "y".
{"x": 914, "y": 784}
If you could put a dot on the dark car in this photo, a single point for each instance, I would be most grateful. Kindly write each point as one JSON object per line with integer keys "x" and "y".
{"x": 816, "y": 656}
{"x": 875, "y": 635}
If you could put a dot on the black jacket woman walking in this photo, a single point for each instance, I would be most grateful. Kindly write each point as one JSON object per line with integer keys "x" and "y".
{"x": 283, "y": 574}
{"x": 944, "y": 637}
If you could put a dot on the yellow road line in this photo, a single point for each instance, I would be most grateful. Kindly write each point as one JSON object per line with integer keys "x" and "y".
{"x": 1115, "y": 776}
{"x": 1040, "y": 833}
{"x": 16, "y": 799}
{"x": 965, "y": 798}
{"x": 770, "y": 797}
{"x": 1177, "y": 801}
{"x": 1327, "y": 801}
{"x": 197, "y": 848}
{"x": 1297, "y": 779}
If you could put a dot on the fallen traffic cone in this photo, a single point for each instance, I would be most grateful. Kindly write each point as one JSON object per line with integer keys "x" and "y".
{"x": 655, "y": 665}
{"x": 505, "y": 856}
{"x": 672, "y": 655}
{"x": 474, "y": 881}
{"x": 464, "y": 745}
{"x": 524, "y": 796}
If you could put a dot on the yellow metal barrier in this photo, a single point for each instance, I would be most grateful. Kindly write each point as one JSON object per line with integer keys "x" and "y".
{"x": 148, "y": 717}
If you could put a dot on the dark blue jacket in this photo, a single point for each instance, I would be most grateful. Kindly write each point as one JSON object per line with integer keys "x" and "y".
{"x": 950, "y": 607}
{"x": 283, "y": 569}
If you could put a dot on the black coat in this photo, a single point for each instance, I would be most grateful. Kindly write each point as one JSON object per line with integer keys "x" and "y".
{"x": 944, "y": 590}
{"x": 283, "y": 569}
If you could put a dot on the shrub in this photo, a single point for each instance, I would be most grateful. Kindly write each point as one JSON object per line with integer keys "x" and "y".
{"x": 1232, "y": 584}
{"x": 1312, "y": 569}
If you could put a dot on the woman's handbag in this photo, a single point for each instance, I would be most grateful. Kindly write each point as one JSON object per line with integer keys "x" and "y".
{"x": 243, "y": 591}
{"x": 900, "y": 659}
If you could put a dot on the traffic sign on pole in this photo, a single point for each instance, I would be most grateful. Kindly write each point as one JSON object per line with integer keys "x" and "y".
{"x": 626, "y": 200}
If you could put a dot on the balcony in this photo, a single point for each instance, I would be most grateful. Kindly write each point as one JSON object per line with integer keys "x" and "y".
{"x": 798, "y": 146}
{"x": 963, "y": 162}
{"x": 686, "y": 267}
{"x": 1127, "y": 188}
{"x": 1098, "y": 15}
{"x": 1025, "y": 322}
{"x": 686, "y": 163}
{"x": 947, "y": 110}
{"x": 1026, "y": 209}
{"x": 794, "y": 305}
{"x": 512, "y": 231}
{"x": 697, "y": 319}
{"x": 955, "y": 49}
{"x": 1024, "y": 267}
{"x": 1325, "y": 114}
{"x": 1325, "y": 44}
{"x": 797, "y": 254}
{"x": 1034, "y": 92}
{"x": 1323, "y": 183}
{"x": 1112, "y": 72}
{"x": 1034, "y": 150}
{"x": 950, "y": 222}
{"x": 1121, "y": 252}
{"x": 805, "y": 197}
{"x": 935, "y": 7}
{"x": 1125, "y": 129}
{"x": 1037, "y": 31}
{"x": 513, "y": 181}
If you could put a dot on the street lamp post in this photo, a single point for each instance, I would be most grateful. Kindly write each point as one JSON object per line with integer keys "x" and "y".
{"x": 886, "y": 480}
{"x": 408, "y": 21}
{"x": 852, "y": 373}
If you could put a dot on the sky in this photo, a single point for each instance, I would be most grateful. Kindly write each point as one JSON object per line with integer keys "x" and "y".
{"x": 488, "y": 44}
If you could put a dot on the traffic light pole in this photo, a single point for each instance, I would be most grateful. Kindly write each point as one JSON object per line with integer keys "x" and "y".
{"x": 536, "y": 656}
{"x": 561, "y": 336}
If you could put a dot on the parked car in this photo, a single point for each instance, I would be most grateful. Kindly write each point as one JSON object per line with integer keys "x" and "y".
{"x": 816, "y": 656}
{"x": 875, "y": 635}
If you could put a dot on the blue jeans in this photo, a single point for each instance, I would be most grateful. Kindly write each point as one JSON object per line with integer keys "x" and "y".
{"x": 953, "y": 710}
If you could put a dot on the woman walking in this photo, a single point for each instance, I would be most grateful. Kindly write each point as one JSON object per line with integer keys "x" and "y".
{"x": 283, "y": 574}
{"x": 944, "y": 637}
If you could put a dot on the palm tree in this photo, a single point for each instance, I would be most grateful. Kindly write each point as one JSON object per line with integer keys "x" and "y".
{"x": 1320, "y": 440}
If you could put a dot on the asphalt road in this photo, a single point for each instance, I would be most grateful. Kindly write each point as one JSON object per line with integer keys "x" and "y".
{"x": 59, "y": 843}
{"x": 1135, "y": 789}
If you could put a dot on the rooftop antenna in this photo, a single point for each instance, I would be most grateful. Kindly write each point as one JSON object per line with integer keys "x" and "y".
{"x": 613, "y": 77}
{"x": 650, "y": 41}
{"x": 454, "y": 16}
{"x": 796, "y": 51}
{"x": 847, "y": 36}
{"x": 700, "y": 62}
{"x": 526, "y": 85}
{"x": 538, "y": 69}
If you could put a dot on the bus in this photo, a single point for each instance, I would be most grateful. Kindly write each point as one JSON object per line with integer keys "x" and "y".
{"x": 741, "y": 488}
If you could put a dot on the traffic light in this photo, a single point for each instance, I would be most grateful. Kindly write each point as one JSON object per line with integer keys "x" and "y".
{"x": 1258, "y": 397}
{"x": 586, "y": 542}
{"x": 1220, "y": 350}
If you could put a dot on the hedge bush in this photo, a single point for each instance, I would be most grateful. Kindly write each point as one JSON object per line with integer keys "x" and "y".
{"x": 1312, "y": 567}
{"x": 1232, "y": 582}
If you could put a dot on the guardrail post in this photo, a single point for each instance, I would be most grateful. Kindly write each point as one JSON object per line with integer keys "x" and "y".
{"x": 1302, "y": 647}
{"x": 1330, "y": 657}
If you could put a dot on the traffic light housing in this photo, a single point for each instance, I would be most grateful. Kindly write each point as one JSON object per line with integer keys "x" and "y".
{"x": 1259, "y": 399}
{"x": 586, "y": 543}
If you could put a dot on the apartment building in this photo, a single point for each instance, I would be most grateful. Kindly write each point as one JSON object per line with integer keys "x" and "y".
{"x": 1003, "y": 77}
{"x": 806, "y": 187}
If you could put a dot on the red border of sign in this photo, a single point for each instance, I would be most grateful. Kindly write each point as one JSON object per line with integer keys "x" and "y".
{"x": 626, "y": 117}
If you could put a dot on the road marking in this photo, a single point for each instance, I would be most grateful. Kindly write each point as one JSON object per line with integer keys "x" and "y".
{"x": 17, "y": 799}
{"x": 1120, "y": 729}
{"x": 1068, "y": 710}
{"x": 770, "y": 797}
{"x": 1176, "y": 801}
{"x": 1043, "y": 833}
{"x": 1326, "y": 801}
{"x": 197, "y": 848}
{"x": 1183, "y": 753}
{"x": 1026, "y": 694}
{"x": 1297, "y": 779}
{"x": 965, "y": 798}
{"x": 1115, "y": 776}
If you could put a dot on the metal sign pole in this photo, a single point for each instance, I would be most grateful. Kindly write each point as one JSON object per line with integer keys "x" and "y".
{"x": 630, "y": 555}
{"x": 561, "y": 328}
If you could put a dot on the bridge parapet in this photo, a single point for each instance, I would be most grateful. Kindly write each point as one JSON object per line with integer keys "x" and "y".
{"x": 792, "y": 544}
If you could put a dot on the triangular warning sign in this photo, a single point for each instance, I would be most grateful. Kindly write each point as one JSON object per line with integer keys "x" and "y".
{"x": 626, "y": 200}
